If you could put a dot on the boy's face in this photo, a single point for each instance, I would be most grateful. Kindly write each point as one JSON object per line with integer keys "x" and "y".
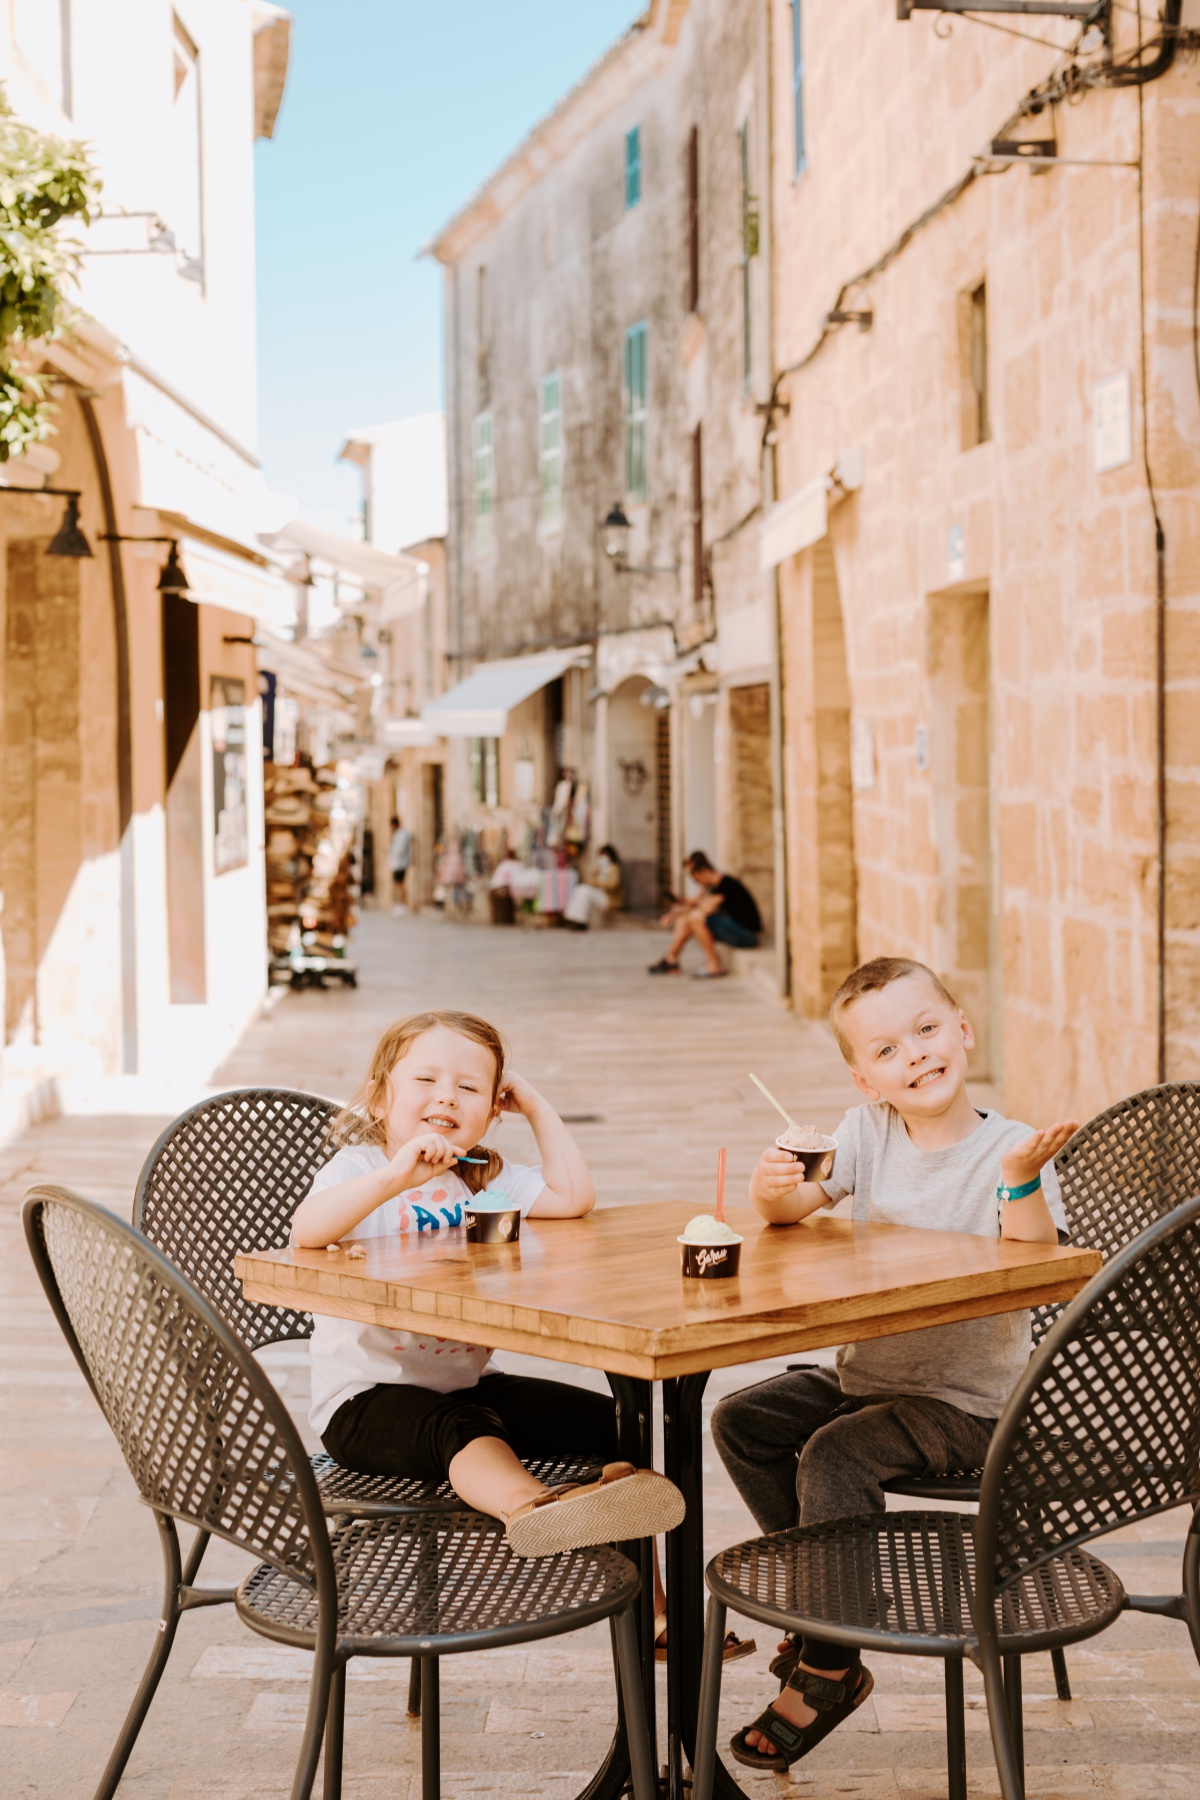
{"x": 910, "y": 1047}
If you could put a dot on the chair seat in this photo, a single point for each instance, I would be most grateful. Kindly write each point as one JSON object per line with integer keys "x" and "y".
{"x": 346, "y": 1492}
{"x": 436, "y": 1583}
{"x": 963, "y": 1486}
{"x": 904, "y": 1580}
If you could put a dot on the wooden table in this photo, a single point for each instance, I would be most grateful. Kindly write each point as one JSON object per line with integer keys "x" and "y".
{"x": 606, "y": 1293}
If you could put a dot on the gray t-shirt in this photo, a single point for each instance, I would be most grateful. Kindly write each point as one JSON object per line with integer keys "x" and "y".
{"x": 975, "y": 1363}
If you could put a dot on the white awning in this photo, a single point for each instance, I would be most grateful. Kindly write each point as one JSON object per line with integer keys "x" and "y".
{"x": 400, "y": 579}
{"x": 480, "y": 705}
{"x": 237, "y": 584}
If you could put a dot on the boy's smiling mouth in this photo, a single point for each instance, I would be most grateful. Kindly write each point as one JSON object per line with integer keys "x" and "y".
{"x": 927, "y": 1077}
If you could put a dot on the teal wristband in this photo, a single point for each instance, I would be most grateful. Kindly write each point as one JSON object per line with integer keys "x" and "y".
{"x": 1019, "y": 1193}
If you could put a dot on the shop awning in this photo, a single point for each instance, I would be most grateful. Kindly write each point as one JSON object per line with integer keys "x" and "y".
{"x": 480, "y": 705}
{"x": 400, "y": 579}
{"x": 237, "y": 584}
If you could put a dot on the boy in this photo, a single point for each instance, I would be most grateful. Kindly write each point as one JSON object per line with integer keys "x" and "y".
{"x": 818, "y": 1444}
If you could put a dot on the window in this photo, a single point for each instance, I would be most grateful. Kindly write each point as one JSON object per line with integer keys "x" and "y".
{"x": 187, "y": 144}
{"x": 485, "y": 485}
{"x": 485, "y": 770}
{"x": 633, "y": 167}
{"x": 550, "y": 448}
{"x": 693, "y": 219}
{"x": 749, "y": 250}
{"x": 633, "y": 396}
{"x": 798, "y": 86}
{"x": 976, "y": 419}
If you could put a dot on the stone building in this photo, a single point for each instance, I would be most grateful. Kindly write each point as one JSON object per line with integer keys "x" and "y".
{"x": 983, "y": 368}
{"x": 130, "y": 793}
{"x": 606, "y": 346}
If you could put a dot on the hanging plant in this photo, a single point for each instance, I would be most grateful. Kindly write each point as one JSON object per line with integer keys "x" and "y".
{"x": 43, "y": 181}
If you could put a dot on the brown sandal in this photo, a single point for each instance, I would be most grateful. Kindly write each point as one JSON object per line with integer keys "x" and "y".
{"x": 732, "y": 1650}
{"x": 625, "y": 1503}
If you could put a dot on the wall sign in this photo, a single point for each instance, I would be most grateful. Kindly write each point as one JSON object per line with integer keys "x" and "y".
{"x": 862, "y": 756}
{"x": 1112, "y": 423}
{"x": 228, "y": 720}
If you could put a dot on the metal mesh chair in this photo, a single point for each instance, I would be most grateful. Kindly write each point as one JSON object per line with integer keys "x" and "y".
{"x": 209, "y": 1442}
{"x": 1125, "y": 1168}
{"x": 1103, "y": 1429}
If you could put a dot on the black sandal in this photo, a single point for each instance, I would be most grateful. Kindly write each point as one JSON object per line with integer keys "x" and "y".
{"x": 783, "y": 1664}
{"x": 832, "y": 1701}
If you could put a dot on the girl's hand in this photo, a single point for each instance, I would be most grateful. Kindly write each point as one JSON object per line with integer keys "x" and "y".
{"x": 1023, "y": 1161}
{"x": 423, "y": 1158}
{"x": 517, "y": 1095}
{"x": 776, "y": 1175}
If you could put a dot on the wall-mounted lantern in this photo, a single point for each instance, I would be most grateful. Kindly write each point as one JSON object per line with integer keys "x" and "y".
{"x": 69, "y": 539}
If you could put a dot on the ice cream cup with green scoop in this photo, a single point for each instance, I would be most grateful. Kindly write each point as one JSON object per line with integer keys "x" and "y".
{"x": 491, "y": 1218}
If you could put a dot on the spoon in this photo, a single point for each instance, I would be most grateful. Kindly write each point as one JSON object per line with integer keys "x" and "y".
{"x": 481, "y": 1160}
{"x": 721, "y": 1187}
{"x": 774, "y": 1102}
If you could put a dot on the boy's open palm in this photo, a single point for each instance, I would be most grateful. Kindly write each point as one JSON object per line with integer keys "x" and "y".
{"x": 1023, "y": 1161}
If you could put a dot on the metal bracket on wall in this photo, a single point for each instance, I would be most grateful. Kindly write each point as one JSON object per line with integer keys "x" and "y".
{"x": 1085, "y": 10}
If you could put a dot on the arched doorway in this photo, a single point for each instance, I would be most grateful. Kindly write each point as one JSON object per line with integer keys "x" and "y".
{"x": 637, "y": 786}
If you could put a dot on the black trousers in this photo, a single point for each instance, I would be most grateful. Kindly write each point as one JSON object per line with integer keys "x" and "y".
{"x": 416, "y": 1433}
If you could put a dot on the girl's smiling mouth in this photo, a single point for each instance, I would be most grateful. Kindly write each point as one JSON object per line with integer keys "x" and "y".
{"x": 442, "y": 1121}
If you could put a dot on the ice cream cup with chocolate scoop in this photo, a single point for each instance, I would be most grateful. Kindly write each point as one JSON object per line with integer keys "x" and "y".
{"x": 810, "y": 1147}
{"x": 711, "y": 1250}
{"x": 491, "y": 1218}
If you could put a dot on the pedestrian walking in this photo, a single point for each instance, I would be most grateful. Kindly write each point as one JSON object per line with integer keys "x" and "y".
{"x": 400, "y": 861}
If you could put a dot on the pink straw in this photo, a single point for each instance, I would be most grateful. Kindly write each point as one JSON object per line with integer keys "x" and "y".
{"x": 721, "y": 1187}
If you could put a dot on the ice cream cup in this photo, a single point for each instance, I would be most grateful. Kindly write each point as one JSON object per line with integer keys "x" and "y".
{"x": 818, "y": 1164}
{"x": 710, "y": 1262}
{"x": 487, "y": 1225}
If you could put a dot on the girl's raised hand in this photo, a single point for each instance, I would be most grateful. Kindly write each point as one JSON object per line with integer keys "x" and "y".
{"x": 425, "y": 1156}
{"x": 517, "y": 1095}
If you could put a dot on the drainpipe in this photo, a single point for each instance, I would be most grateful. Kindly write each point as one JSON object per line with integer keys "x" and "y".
{"x": 767, "y": 475}
{"x": 454, "y": 459}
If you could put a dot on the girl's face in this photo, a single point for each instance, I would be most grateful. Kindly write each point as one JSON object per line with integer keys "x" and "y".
{"x": 444, "y": 1082}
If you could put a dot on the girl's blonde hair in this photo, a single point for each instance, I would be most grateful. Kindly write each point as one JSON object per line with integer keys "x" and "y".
{"x": 362, "y": 1120}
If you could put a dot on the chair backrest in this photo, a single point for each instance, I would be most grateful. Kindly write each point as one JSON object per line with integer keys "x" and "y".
{"x": 1131, "y": 1164}
{"x": 225, "y": 1176}
{"x": 1104, "y": 1426}
{"x": 206, "y": 1437}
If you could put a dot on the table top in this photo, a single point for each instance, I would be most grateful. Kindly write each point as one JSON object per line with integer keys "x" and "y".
{"x": 607, "y": 1291}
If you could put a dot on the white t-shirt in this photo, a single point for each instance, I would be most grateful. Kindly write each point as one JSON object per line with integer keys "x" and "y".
{"x": 975, "y": 1363}
{"x": 348, "y": 1358}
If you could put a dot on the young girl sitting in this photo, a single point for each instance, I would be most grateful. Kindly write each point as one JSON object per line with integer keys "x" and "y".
{"x": 404, "y": 1403}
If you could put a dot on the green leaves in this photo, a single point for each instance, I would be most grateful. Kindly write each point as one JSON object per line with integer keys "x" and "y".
{"x": 43, "y": 180}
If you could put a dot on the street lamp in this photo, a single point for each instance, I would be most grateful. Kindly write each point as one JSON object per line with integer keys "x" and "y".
{"x": 68, "y": 540}
{"x": 172, "y": 578}
{"x": 615, "y": 528}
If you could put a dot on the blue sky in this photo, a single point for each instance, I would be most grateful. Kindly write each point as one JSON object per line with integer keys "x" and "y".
{"x": 395, "y": 110}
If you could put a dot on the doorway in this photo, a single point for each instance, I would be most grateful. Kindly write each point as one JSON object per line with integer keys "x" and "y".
{"x": 834, "y": 862}
{"x": 634, "y": 807}
{"x": 966, "y": 935}
{"x": 183, "y": 803}
{"x": 752, "y": 837}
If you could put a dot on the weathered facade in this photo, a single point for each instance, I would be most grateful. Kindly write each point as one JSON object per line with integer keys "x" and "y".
{"x": 966, "y": 535}
{"x": 606, "y": 345}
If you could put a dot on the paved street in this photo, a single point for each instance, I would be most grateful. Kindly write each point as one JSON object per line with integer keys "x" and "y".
{"x": 654, "y": 1074}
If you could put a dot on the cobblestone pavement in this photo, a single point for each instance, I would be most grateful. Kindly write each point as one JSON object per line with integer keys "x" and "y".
{"x": 655, "y": 1074}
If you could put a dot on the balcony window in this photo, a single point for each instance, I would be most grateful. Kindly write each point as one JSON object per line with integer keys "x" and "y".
{"x": 634, "y": 408}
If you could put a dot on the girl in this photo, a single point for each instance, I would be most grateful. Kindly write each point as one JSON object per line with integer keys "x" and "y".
{"x": 405, "y": 1403}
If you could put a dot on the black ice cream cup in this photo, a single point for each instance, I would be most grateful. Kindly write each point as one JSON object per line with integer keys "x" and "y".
{"x": 710, "y": 1262}
{"x": 484, "y": 1226}
{"x": 818, "y": 1164}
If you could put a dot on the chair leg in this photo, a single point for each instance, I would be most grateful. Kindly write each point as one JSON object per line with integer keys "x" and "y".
{"x": 431, "y": 1726}
{"x": 956, "y": 1730}
{"x": 164, "y": 1638}
{"x": 335, "y": 1735}
{"x": 704, "y": 1771}
{"x": 1016, "y": 1715}
{"x": 1062, "y": 1681}
{"x": 1191, "y": 1582}
{"x": 414, "y": 1688}
{"x": 324, "y": 1675}
{"x": 637, "y": 1733}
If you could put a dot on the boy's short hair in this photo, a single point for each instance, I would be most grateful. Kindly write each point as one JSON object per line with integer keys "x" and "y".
{"x": 697, "y": 860}
{"x": 869, "y": 978}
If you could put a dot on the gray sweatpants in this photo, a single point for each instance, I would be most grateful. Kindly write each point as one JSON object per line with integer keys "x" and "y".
{"x": 799, "y": 1451}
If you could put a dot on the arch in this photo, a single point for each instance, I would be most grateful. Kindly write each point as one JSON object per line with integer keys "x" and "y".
{"x": 637, "y": 783}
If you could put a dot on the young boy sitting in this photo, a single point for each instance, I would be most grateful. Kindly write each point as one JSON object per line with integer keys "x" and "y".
{"x": 818, "y": 1444}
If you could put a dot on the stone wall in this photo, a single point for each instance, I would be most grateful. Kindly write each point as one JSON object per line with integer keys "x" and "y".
{"x": 997, "y": 595}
